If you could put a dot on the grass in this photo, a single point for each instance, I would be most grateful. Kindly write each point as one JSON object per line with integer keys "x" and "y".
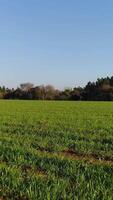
{"x": 56, "y": 150}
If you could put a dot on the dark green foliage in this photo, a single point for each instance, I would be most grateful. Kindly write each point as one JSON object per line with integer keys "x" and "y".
{"x": 101, "y": 90}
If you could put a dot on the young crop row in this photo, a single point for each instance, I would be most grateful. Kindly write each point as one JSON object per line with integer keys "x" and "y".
{"x": 56, "y": 150}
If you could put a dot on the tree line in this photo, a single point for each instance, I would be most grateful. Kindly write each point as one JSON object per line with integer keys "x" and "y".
{"x": 101, "y": 90}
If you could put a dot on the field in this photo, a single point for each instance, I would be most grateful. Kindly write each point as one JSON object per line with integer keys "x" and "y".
{"x": 56, "y": 150}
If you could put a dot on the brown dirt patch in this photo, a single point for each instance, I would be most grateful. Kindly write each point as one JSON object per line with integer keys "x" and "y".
{"x": 74, "y": 155}
{"x": 40, "y": 173}
{"x": 92, "y": 158}
{"x": 28, "y": 169}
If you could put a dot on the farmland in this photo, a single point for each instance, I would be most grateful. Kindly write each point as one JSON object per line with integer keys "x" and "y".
{"x": 56, "y": 150}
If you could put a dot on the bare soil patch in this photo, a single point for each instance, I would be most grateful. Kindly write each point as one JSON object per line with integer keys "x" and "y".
{"x": 74, "y": 155}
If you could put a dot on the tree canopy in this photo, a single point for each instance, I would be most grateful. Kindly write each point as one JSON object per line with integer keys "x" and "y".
{"x": 101, "y": 90}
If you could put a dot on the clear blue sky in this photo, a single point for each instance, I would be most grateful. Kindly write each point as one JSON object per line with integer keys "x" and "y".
{"x": 62, "y": 42}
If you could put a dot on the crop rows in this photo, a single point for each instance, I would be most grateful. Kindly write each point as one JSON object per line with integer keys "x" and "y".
{"x": 56, "y": 150}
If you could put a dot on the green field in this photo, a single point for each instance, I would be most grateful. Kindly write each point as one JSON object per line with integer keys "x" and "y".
{"x": 56, "y": 150}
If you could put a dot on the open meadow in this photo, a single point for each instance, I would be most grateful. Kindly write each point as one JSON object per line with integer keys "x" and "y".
{"x": 56, "y": 150}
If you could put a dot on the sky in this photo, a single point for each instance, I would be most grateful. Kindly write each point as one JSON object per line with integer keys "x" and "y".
{"x": 65, "y": 43}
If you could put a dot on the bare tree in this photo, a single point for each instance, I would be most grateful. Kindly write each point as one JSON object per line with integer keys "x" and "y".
{"x": 50, "y": 92}
{"x": 26, "y": 86}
